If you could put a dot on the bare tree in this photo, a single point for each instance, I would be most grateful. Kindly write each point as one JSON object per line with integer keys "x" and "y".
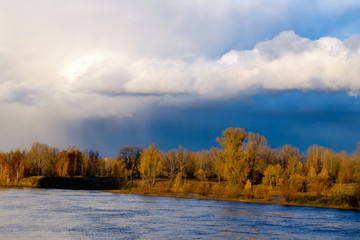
{"x": 130, "y": 155}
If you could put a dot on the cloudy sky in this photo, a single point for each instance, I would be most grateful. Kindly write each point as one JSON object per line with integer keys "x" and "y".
{"x": 103, "y": 74}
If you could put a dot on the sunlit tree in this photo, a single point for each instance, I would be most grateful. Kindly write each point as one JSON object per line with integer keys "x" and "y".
{"x": 232, "y": 142}
{"x": 150, "y": 165}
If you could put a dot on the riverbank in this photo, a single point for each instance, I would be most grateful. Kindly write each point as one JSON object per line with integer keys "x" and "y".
{"x": 195, "y": 190}
{"x": 191, "y": 189}
{"x": 257, "y": 201}
{"x": 75, "y": 183}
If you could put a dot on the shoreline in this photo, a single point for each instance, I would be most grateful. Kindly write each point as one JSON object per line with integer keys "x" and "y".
{"x": 72, "y": 183}
{"x": 206, "y": 197}
{"x": 111, "y": 185}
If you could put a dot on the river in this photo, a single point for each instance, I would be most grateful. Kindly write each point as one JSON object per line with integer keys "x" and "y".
{"x": 68, "y": 214}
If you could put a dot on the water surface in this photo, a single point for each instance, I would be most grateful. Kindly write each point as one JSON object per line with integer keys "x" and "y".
{"x": 68, "y": 214}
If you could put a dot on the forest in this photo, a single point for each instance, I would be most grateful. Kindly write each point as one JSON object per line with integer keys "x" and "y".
{"x": 243, "y": 166}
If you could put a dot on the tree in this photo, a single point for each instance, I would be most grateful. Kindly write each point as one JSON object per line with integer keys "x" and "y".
{"x": 218, "y": 163}
{"x": 205, "y": 160}
{"x": 130, "y": 155}
{"x": 171, "y": 164}
{"x": 62, "y": 164}
{"x": 184, "y": 160}
{"x": 37, "y": 155}
{"x": 93, "y": 163}
{"x": 235, "y": 168}
{"x": 272, "y": 175}
{"x": 291, "y": 186}
{"x": 5, "y": 169}
{"x": 43, "y": 158}
{"x": 18, "y": 165}
{"x": 150, "y": 165}
{"x": 254, "y": 156}
{"x": 75, "y": 157}
{"x": 345, "y": 170}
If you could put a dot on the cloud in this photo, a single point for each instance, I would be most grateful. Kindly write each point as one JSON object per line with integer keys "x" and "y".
{"x": 63, "y": 61}
{"x": 286, "y": 62}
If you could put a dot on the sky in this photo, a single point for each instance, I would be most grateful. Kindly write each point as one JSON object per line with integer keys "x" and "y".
{"x": 104, "y": 74}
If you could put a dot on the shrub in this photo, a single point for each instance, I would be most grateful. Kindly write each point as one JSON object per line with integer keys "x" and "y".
{"x": 201, "y": 175}
{"x": 177, "y": 182}
{"x": 300, "y": 199}
{"x": 324, "y": 201}
{"x": 247, "y": 190}
{"x": 217, "y": 190}
{"x": 232, "y": 190}
{"x": 289, "y": 193}
{"x": 262, "y": 192}
{"x": 204, "y": 189}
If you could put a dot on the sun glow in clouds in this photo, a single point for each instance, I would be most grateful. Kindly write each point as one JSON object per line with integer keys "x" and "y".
{"x": 80, "y": 66}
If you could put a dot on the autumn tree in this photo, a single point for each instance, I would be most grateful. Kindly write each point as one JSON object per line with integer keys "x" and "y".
{"x": 288, "y": 157}
{"x": 272, "y": 175}
{"x": 254, "y": 151}
{"x": 75, "y": 157}
{"x": 5, "y": 169}
{"x": 185, "y": 161}
{"x": 313, "y": 163}
{"x": 17, "y": 165}
{"x": 130, "y": 155}
{"x": 150, "y": 164}
{"x": 345, "y": 173}
{"x": 119, "y": 169}
{"x": 219, "y": 163}
{"x": 170, "y": 163}
{"x": 232, "y": 142}
{"x": 318, "y": 183}
{"x": 62, "y": 164}
{"x": 204, "y": 162}
{"x": 42, "y": 158}
{"x": 356, "y": 166}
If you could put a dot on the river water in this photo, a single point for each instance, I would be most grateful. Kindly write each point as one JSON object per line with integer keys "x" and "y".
{"x": 68, "y": 214}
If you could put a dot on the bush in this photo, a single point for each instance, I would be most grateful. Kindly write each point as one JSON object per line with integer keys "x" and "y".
{"x": 301, "y": 199}
{"x": 340, "y": 200}
{"x": 324, "y": 201}
{"x": 248, "y": 191}
{"x": 204, "y": 189}
{"x": 345, "y": 200}
{"x": 262, "y": 192}
{"x": 177, "y": 183}
{"x": 289, "y": 193}
{"x": 201, "y": 175}
{"x": 217, "y": 190}
{"x": 232, "y": 190}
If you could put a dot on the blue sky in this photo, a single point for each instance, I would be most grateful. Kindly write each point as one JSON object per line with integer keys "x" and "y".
{"x": 103, "y": 74}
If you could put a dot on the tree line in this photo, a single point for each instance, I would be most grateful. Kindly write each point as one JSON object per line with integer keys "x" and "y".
{"x": 242, "y": 161}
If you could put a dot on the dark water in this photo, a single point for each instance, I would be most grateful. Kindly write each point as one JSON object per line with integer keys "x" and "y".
{"x": 66, "y": 214}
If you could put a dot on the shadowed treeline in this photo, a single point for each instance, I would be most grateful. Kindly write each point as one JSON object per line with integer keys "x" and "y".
{"x": 80, "y": 183}
{"x": 243, "y": 166}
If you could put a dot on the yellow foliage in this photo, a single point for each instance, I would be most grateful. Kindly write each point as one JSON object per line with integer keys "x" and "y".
{"x": 201, "y": 175}
{"x": 151, "y": 164}
{"x": 248, "y": 190}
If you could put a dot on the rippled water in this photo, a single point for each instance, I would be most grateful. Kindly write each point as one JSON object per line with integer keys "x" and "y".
{"x": 66, "y": 214}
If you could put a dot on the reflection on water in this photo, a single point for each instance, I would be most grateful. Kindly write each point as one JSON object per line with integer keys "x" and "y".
{"x": 65, "y": 214}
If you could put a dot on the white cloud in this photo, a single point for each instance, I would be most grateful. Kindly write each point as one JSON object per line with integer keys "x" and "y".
{"x": 287, "y": 62}
{"x": 71, "y": 60}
